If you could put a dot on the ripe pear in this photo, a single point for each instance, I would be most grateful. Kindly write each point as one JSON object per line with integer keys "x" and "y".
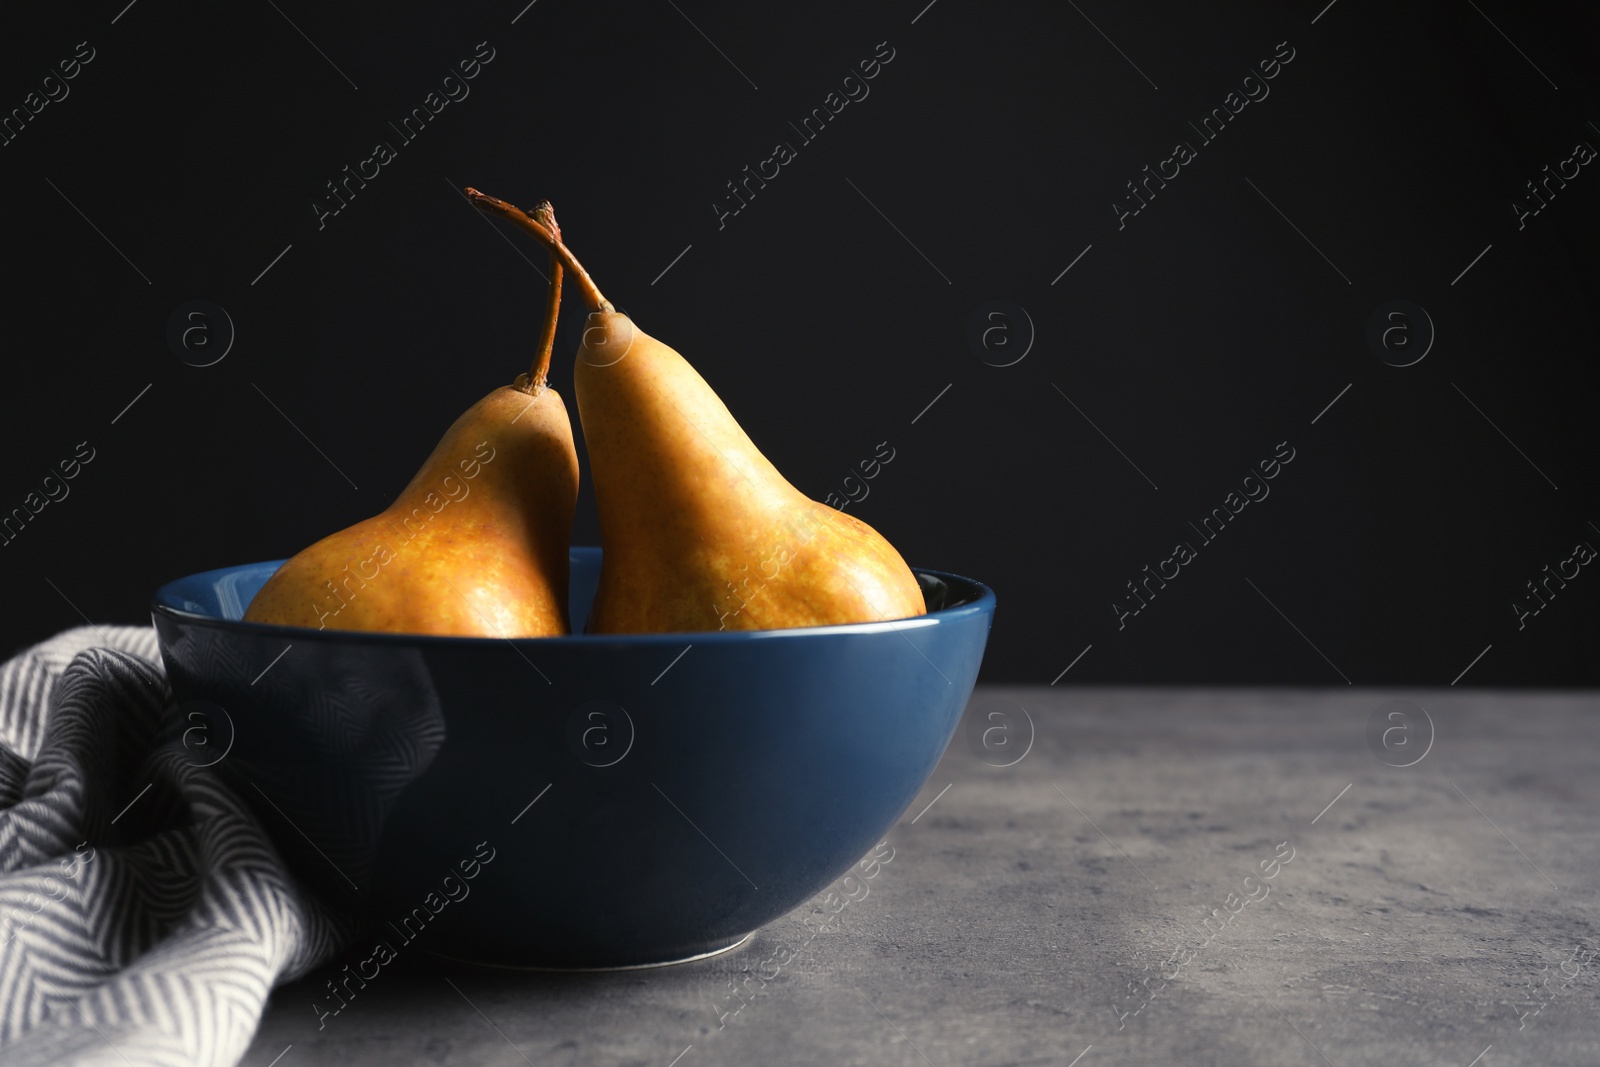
{"x": 476, "y": 544}
{"x": 699, "y": 530}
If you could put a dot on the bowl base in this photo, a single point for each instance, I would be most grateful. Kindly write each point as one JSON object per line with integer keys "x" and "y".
{"x": 729, "y": 947}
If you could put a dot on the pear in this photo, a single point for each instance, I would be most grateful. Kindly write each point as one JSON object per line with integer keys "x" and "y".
{"x": 476, "y": 543}
{"x": 698, "y": 530}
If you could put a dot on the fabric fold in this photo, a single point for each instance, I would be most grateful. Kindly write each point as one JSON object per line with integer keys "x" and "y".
{"x": 144, "y": 914}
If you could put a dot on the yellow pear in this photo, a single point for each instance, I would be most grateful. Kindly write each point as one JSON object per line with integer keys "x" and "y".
{"x": 476, "y": 544}
{"x": 699, "y": 530}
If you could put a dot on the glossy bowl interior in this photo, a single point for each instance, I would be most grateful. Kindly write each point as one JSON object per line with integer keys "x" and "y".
{"x": 582, "y": 801}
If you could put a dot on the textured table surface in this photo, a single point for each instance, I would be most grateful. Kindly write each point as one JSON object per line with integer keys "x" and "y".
{"x": 1438, "y": 913}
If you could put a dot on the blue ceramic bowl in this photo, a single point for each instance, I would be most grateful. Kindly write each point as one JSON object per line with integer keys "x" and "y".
{"x": 582, "y": 801}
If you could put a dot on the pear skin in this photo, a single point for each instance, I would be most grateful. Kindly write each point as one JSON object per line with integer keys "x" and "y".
{"x": 699, "y": 530}
{"x": 476, "y": 544}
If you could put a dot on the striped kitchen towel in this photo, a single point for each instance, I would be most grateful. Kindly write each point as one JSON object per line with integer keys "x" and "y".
{"x": 144, "y": 916}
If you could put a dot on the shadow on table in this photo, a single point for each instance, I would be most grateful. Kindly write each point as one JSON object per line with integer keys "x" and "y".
{"x": 354, "y": 997}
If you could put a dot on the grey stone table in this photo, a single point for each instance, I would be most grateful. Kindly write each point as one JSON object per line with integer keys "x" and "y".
{"x": 1167, "y": 876}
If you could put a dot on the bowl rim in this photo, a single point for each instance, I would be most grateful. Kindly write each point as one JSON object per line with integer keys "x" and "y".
{"x": 982, "y": 604}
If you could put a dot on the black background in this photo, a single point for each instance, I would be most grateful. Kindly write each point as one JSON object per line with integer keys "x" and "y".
{"x": 1196, "y": 338}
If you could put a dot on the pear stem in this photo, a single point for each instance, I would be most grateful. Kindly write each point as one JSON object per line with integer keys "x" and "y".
{"x": 546, "y": 216}
{"x": 490, "y": 205}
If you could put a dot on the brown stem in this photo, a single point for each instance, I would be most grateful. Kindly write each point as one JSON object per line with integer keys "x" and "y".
{"x": 546, "y": 216}
{"x": 512, "y": 213}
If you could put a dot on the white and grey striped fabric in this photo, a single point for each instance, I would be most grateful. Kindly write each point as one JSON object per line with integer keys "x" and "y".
{"x": 144, "y": 916}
